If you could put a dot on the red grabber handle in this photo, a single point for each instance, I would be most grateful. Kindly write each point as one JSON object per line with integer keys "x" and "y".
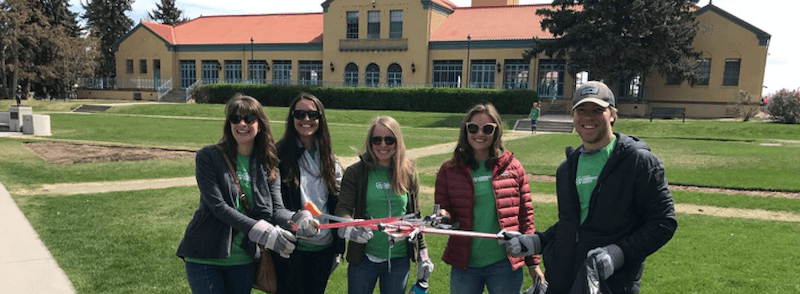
{"x": 342, "y": 222}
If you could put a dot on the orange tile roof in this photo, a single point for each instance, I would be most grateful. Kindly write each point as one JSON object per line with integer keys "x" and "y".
{"x": 492, "y": 23}
{"x": 238, "y": 29}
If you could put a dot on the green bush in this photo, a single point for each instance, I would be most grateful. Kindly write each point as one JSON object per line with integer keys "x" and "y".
{"x": 784, "y": 106}
{"x": 406, "y": 99}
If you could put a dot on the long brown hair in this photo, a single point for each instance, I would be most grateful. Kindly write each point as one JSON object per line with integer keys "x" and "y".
{"x": 464, "y": 154}
{"x": 400, "y": 169}
{"x": 326, "y": 156}
{"x": 263, "y": 144}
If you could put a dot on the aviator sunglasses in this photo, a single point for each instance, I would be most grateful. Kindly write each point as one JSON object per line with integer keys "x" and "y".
{"x": 300, "y": 114}
{"x": 389, "y": 140}
{"x": 249, "y": 119}
{"x": 488, "y": 128}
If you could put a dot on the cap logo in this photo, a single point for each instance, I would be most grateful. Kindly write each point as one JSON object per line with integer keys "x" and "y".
{"x": 589, "y": 90}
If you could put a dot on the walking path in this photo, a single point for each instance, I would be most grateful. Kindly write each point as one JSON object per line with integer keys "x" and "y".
{"x": 25, "y": 264}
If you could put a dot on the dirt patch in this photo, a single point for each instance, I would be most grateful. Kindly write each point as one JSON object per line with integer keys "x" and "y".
{"x": 674, "y": 187}
{"x": 69, "y": 153}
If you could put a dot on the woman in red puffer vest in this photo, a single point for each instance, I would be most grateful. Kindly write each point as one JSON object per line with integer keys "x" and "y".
{"x": 484, "y": 188}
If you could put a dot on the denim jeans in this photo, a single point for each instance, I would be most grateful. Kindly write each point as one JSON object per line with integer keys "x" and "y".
{"x": 361, "y": 278}
{"x": 497, "y": 277}
{"x": 216, "y": 279}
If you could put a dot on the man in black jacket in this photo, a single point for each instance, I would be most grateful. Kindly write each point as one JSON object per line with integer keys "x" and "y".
{"x": 614, "y": 203}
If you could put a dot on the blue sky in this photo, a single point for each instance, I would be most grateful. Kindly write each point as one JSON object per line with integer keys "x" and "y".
{"x": 772, "y": 16}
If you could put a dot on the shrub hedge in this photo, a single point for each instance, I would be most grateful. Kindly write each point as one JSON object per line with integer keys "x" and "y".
{"x": 400, "y": 98}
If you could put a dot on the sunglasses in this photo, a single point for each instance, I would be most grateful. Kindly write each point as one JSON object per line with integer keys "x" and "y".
{"x": 488, "y": 128}
{"x": 249, "y": 119}
{"x": 300, "y": 114}
{"x": 389, "y": 140}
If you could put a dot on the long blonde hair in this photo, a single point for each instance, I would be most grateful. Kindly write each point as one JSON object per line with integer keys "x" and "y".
{"x": 400, "y": 169}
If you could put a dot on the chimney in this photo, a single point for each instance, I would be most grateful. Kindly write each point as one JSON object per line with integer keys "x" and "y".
{"x": 485, "y": 3}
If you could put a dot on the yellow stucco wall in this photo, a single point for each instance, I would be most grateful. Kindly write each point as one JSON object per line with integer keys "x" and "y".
{"x": 719, "y": 39}
{"x": 143, "y": 44}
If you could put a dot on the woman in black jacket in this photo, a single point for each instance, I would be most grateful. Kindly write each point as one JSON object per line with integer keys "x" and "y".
{"x": 309, "y": 172}
{"x": 219, "y": 244}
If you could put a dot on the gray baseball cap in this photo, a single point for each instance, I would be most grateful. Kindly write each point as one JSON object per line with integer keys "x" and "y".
{"x": 595, "y": 92}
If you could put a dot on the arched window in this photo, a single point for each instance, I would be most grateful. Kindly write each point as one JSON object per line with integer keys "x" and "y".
{"x": 372, "y": 76}
{"x": 351, "y": 75}
{"x": 394, "y": 75}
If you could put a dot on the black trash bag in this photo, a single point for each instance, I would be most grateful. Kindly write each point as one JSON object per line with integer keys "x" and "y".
{"x": 538, "y": 287}
{"x": 588, "y": 280}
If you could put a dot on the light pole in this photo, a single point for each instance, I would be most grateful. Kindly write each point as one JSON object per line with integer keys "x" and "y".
{"x": 250, "y": 64}
{"x": 469, "y": 40}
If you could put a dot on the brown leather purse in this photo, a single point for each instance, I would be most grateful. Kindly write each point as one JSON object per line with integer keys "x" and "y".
{"x": 264, "y": 278}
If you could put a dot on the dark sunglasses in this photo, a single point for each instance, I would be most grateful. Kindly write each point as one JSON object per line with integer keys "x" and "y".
{"x": 488, "y": 129}
{"x": 300, "y": 114}
{"x": 389, "y": 140}
{"x": 249, "y": 119}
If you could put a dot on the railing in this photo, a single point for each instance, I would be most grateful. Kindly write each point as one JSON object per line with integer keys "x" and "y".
{"x": 164, "y": 89}
{"x": 190, "y": 88}
{"x": 117, "y": 83}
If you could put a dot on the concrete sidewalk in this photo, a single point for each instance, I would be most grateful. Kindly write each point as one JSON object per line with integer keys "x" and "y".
{"x": 25, "y": 264}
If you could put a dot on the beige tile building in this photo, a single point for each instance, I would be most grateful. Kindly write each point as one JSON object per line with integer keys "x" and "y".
{"x": 416, "y": 43}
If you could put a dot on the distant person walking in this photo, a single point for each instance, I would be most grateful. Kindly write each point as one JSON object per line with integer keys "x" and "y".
{"x": 534, "y": 116}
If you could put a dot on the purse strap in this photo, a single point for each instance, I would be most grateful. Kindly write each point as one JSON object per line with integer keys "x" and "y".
{"x": 242, "y": 197}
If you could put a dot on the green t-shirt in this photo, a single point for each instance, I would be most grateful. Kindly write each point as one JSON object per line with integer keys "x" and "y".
{"x": 378, "y": 184}
{"x": 238, "y": 255}
{"x": 534, "y": 113}
{"x": 484, "y": 252}
{"x": 589, "y": 168}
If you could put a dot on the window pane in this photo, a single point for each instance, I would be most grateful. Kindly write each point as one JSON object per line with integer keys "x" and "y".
{"x": 351, "y": 75}
{"x": 731, "y": 74}
{"x": 310, "y": 72}
{"x": 210, "y": 71}
{"x": 396, "y": 24}
{"x": 142, "y": 65}
{"x": 257, "y": 71}
{"x": 482, "y": 74}
{"x": 447, "y": 73}
{"x": 352, "y": 25}
{"x": 703, "y": 72}
{"x": 373, "y": 24}
{"x": 281, "y": 72}
{"x": 372, "y": 76}
{"x": 551, "y": 79}
{"x": 515, "y": 75}
{"x": 233, "y": 71}
{"x": 188, "y": 75}
{"x": 129, "y": 66}
{"x": 394, "y": 76}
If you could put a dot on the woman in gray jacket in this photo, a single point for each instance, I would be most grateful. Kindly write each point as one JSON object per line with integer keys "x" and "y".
{"x": 219, "y": 244}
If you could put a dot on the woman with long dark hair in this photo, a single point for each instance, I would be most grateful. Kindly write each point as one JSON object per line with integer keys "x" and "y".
{"x": 309, "y": 172}
{"x": 219, "y": 245}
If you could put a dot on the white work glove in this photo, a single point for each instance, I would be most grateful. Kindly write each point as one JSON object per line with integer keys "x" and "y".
{"x": 306, "y": 224}
{"x": 273, "y": 238}
{"x": 603, "y": 258}
{"x": 424, "y": 266}
{"x": 356, "y": 234}
{"x": 517, "y": 244}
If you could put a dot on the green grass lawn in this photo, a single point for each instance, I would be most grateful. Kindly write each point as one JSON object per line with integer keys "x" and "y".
{"x": 124, "y": 242}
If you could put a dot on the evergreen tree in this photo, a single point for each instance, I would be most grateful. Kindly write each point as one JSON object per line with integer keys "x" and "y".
{"x": 59, "y": 14}
{"x": 621, "y": 39}
{"x": 106, "y": 21}
{"x": 25, "y": 30}
{"x": 167, "y": 13}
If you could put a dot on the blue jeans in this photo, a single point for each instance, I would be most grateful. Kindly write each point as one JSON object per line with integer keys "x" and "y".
{"x": 497, "y": 277}
{"x": 361, "y": 278}
{"x": 216, "y": 279}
